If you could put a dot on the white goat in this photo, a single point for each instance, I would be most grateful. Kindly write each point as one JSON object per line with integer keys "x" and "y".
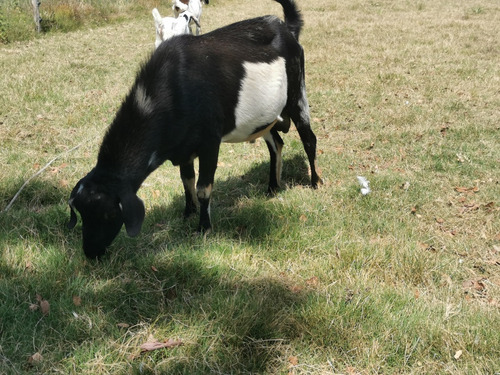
{"x": 193, "y": 6}
{"x": 167, "y": 27}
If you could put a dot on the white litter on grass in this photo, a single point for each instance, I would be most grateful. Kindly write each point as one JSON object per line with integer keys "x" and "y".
{"x": 365, "y": 185}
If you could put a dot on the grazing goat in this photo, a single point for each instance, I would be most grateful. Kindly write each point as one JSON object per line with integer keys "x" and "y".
{"x": 167, "y": 27}
{"x": 193, "y": 6}
{"x": 234, "y": 84}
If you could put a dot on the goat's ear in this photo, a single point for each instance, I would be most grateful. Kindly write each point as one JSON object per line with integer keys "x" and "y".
{"x": 73, "y": 218}
{"x": 133, "y": 213}
{"x": 196, "y": 21}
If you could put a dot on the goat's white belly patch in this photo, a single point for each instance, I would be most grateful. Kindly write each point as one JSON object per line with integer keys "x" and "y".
{"x": 261, "y": 99}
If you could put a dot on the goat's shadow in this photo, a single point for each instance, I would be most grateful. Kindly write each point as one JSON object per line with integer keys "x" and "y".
{"x": 231, "y": 217}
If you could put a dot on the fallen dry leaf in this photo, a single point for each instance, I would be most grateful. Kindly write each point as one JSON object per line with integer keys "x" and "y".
{"x": 45, "y": 307}
{"x": 293, "y": 360}
{"x": 155, "y": 344}
{"x": 303, "y": 218}
{"x": 44, "y": 304}
{"x": 33, "y": 306}
{"x": 154, "y": 269}
{"x": 77, "y": 301}
{"x": 489, "y": 206}
{"x": 462, "y": 189}
{"x": 313, "y": 281}
{"x": 296, "y": 288}
{"x": 317, "y": 119}
{"x": 474, "y": 284}
{"x": 427, "y": 247}
{"x": 458, "y": 354}
{"x": 35, "y": 358}
{"x": 123, "y": 325}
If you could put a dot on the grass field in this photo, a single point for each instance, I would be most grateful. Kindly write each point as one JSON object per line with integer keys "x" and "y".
{"x": 404, "y": 280}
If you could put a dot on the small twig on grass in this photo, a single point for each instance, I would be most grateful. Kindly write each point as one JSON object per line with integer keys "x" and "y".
{"x": 7, "y": 208}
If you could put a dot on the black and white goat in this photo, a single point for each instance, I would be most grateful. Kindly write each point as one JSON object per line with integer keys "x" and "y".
{"x": 234, "y": 84}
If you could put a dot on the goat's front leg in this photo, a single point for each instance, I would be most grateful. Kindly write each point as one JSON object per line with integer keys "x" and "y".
{"x": 208, "y": 164}
{"x": 275, "y": 145}
{"x": 188, "y": 180}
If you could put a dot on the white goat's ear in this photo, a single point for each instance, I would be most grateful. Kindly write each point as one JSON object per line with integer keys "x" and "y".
{"x": 196, "y": 21}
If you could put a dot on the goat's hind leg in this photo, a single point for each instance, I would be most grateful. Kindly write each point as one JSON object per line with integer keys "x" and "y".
{"x": 301, "y": 118}
{"x": 188, "y": 180}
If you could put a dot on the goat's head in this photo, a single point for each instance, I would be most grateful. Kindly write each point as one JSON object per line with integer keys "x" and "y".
{"x": 104, "y": 210}
{"x": 180, "y": 6}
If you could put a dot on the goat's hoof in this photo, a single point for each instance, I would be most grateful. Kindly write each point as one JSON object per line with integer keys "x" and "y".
{"x": 203, "y": 232}
{"x": 189, "y": 211}
{"x": 272, "y": 191}
{"x": 204, "y": 229}
{"x": 315, "y": 184}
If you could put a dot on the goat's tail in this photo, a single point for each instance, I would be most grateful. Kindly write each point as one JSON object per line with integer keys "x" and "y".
{"x": 293, "y": 18}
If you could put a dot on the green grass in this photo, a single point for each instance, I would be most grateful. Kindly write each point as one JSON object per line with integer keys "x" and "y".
{"x": 17, "y": 20}
{"x": 403, "y": 280}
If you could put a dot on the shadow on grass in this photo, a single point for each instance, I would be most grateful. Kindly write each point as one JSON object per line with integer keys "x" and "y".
{"x": 238, "y": 325}
{"x": 36, "y": 195}
{"x": 240, "y": 205}
{"x": 241, "y": 324}
{"x": 39, "y": 212}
